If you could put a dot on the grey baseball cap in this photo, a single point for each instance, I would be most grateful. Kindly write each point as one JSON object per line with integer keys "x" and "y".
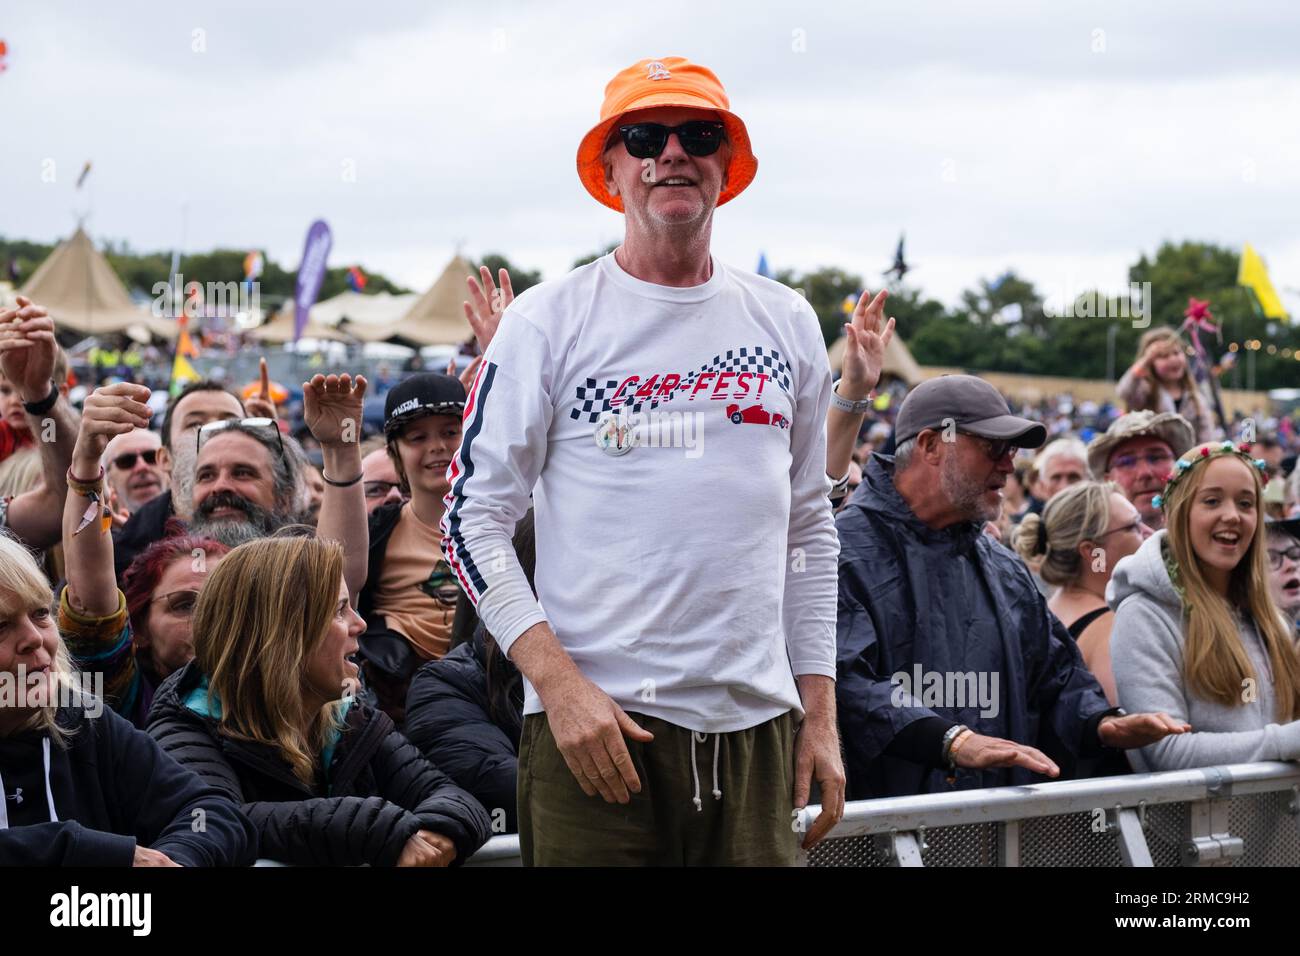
{"x": 969, "y": 404}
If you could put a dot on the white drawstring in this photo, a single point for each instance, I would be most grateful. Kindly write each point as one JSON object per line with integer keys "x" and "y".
{"x": 49, "y": 792}
{"x": 695, "y": 773}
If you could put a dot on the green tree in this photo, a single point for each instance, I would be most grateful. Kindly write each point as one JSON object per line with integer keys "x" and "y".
{"x": 520, "y": 279}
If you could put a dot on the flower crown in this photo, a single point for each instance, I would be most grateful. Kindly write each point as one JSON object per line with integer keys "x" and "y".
{"x": 1214, "y": 450}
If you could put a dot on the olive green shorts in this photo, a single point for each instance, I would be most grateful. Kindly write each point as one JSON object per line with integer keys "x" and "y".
{"x": 747, "y": 819}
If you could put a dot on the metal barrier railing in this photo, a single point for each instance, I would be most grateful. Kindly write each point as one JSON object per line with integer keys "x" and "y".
{"x": 1244, "y": 814}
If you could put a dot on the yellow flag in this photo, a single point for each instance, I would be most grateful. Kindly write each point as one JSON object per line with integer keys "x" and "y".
{"x": 1254, "y": 276}
{"x": 182, "y": 372}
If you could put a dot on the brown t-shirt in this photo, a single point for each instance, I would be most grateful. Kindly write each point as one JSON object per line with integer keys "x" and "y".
{"x": 417, "y": 591}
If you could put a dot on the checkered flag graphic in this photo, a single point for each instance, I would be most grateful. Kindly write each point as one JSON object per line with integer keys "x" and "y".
{"x": 593, "y": 400}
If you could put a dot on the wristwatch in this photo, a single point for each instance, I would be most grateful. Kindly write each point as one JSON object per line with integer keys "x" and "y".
{"x": 949, "y": 738}
{"x": 853, "y": 408}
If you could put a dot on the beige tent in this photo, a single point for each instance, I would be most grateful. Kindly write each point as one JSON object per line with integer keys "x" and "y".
{"x": 281, "y": 327}
{"x": 82, "y": 291}
{"x": 898, "y": 360}
{"x": 357, "y": 308}
{"x": 436, "y": 318}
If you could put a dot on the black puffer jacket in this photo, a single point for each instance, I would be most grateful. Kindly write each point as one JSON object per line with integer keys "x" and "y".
{"x": 380, "y": 790}
{"x": 449, "y": 717}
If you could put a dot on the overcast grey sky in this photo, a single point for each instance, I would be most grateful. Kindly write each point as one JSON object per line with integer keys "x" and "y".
{"x": 1059, "y": 140}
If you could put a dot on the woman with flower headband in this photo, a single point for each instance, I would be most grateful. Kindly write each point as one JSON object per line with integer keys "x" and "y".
{"x": 1196, "y": 633}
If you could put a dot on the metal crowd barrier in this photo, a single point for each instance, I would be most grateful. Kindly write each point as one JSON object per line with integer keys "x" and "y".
{"x": 1239, "y": 815}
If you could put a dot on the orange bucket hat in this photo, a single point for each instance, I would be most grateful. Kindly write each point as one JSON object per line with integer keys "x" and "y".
{"x": 670, "y": 81}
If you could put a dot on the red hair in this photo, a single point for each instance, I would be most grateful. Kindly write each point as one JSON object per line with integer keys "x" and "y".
{"x": 141, "y": 579}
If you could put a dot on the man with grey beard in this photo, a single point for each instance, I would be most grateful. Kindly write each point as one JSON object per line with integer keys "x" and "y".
{"x": 248, "y": 482}
{"x": 197, "y": 404}
{"x": 931, "y": 609}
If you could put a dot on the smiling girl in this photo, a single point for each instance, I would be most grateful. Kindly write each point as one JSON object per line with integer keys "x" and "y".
{"x": 1196, "y": 633}
{"x": 1161, "y": 380}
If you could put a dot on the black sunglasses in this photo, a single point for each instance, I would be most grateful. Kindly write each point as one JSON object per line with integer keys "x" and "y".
{"x": 995, "y": 448}
{"x": 216, "y": 428}
{"x": 647, "y": 140}
{"x": 126, "y": 460}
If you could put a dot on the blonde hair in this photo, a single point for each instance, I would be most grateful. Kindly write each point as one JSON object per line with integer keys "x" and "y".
{"x": 1075, "y": 514}
{"x": 1215, "y": 662}
{"x": 20, "y": 472}
{"x": 261, "y": 614}
{"x": 1165, "y": 334}
{"x": 24, "y": 588}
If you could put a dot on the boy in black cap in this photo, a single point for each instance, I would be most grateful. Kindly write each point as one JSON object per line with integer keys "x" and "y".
{"x": 409, "y": 599}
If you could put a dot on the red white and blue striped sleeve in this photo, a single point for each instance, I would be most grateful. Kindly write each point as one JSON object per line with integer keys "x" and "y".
{"x": 503, "y": 448}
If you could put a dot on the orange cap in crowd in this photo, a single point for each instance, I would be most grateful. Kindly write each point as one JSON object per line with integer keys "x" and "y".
{"x": 670, "y": 81}
{"x": 279, "y": 394}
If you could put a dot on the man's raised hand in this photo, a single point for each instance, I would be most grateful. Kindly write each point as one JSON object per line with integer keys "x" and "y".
{"x": 28, "y": 348}
{"x": 487, "y": 302}
{"x": 866, "y": 337}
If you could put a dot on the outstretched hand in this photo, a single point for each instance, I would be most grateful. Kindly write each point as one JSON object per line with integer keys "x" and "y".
{"x": 1139, "y": 730}
{"x": 488, "y": 302}
{"x": 28, "y": 348}
{"x": 979, "y": 752}
{"x": 867, "y": 336}
{"x": 333, "y": 407}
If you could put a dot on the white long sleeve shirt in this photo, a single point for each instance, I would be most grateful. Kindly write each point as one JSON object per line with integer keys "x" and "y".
{"x": 674, "y": 443}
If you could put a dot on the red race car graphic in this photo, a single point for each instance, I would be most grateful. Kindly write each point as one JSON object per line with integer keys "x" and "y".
{"x": 755, "y": 415}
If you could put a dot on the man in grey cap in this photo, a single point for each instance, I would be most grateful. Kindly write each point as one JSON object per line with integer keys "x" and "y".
{"x": 1137, "y": 452}
{"x": 952, "y": 673}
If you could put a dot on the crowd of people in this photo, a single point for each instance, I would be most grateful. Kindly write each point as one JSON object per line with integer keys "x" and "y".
{"x": 640, "y": 585}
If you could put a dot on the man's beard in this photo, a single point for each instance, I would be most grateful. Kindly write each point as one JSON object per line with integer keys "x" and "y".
{"x": 966, "y": 493}
{"x": 258, "y": 522}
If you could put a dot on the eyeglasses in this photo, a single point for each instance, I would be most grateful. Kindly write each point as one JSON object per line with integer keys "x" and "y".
{"x": 1134, "y": 527}
{"x": 1290, "y": 554}
{"x": 1156, "y": 459}
{"x": 380, "y": 489}
{"x": 180, "y": 603}
{"x": 216, "y": 428}
{"x": 126, "y": 460}
{"x": 995, "y": 448}
{"x": 647, "y": 140}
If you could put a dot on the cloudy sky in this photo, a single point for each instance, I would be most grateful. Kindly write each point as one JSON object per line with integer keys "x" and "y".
{"x": 1059, "y": 140}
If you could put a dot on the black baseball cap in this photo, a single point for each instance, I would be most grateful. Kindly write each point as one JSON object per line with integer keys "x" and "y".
{"x": 968, "y": 403}
{"x": 427, "y": 393}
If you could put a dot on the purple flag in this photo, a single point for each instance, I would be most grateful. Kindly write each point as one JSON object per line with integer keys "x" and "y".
{"x": 311, "y": 273}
